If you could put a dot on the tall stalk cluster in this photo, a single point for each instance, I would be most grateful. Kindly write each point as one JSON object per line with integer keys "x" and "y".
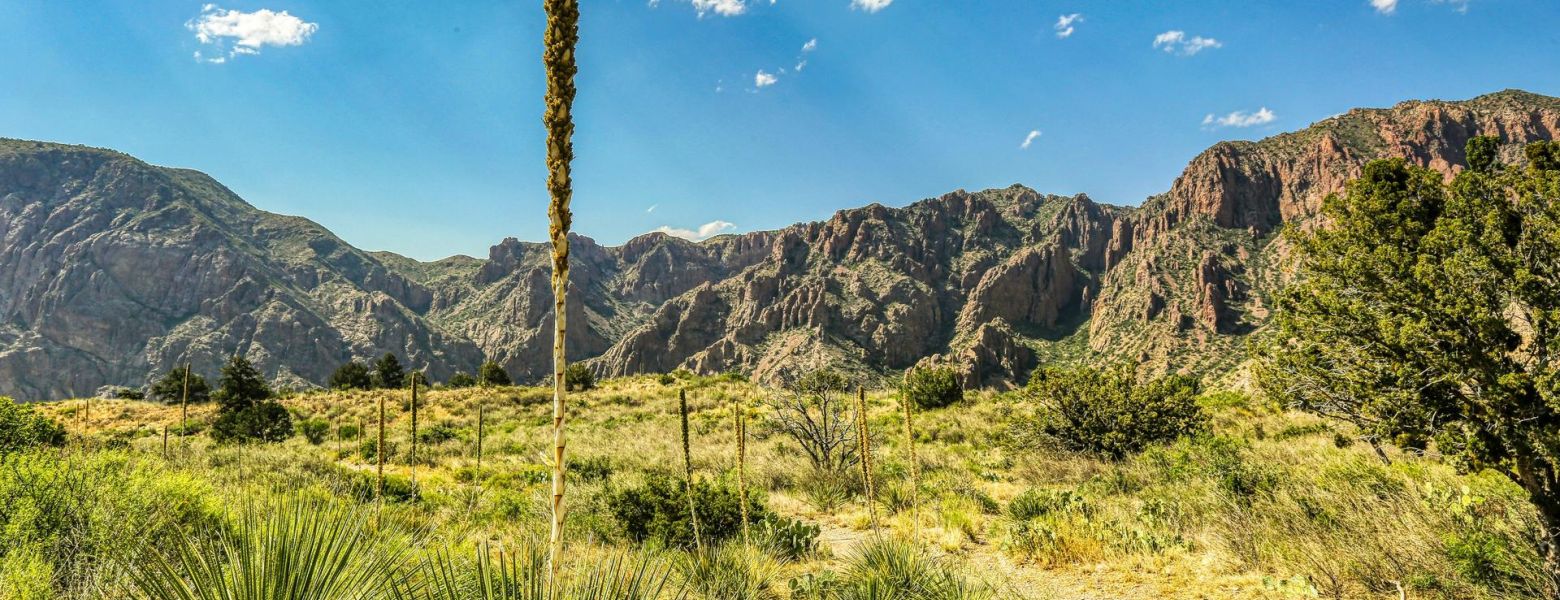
{"x": 558, "y": 41}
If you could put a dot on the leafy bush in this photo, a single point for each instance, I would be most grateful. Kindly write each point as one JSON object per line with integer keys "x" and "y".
{"x": 579, "y": 378}
{"x": 440, "y": 432}
{"x": 1106, "y": 412}
{"x": 351, "y": 376}
{"x": 491, "y": 374}
{"x": 932, "y": 387}
{"x": 1036, "y": 502}
{"x": 461, "y": 379}
{"x": 263, "y": 422}
{"x": 22, "y": 428}
{"x": 170, "y": 388}
{"x": 656, "y": 511}
{"x": 315, "y": 430}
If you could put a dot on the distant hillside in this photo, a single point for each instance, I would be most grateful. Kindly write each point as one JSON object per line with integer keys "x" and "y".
{"x": 112, "y": 269}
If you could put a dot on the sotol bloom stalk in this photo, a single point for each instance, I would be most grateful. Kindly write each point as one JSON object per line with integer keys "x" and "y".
{"x": 693, "y": 507}
{"x": 558, "y": 41}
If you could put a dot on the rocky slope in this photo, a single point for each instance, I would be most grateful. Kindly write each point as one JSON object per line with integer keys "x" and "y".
{"x": 112, "y": 269}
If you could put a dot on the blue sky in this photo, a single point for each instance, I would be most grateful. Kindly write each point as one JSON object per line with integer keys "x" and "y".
{"x": 415, "y": 126}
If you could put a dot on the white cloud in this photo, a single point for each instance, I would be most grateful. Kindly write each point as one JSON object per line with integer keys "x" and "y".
{"x": 811, "y": 45}
{"x": 870, "y": 6}
{"x": 1388, "y": 7}
{"x": 652, "y": 208}
{"x": 1065, "y": 24}
{"x": 1385, "y": 7}
{"x": 1177, "y": 42}
{"x": 724, "y": 8}
{"x": 801, "y": 65}
{"x": 763, "y": 79}
{"x": 1241, "y": 118}
{"x": 1029, "y": 139}
{"x": 704, "y": 232}
{"x": 232, "y": 33}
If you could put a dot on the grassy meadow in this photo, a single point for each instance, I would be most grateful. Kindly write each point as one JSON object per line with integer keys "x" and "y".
{"x": 1264, "y": 503}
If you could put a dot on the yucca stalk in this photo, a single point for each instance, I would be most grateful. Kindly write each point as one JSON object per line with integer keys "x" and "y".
{"x": 379, "y": 455}
{"x": 184, "y": 406}
{"x": 864, "y": 438}
{"x": 741, "y": 418}
{"x": 412, "y": 458}
{"x": 693, "y": 507}
{"x": 165, "y": 441}
{"x": 558, "y": 42}
{"x": 481, "y": 409}
{"x": 915, "y": 471}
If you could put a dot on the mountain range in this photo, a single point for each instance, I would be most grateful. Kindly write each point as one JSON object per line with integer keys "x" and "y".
{"x": 113, "y": 270}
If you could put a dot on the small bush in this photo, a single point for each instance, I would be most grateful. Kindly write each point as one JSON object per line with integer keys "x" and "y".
{"x": 1106, "y": 412}
{"x": 827, "y": 489}
{"x": 1036, "y": 502}
{"x": 22, "y": 428}
{"x": 590, "y": 468}
{"x": 578, "y": 377}
{"x": 170, "y": 388}
{"x": 438, "y": 433}
{"x": 891, "y": 569}
{"x": 656, "y": 511}
{"x": 315, "y": 430}
{"x": 263, "y": 422}
{"x": 932, "y": 387}
{"x": 491, "y": 374}
{"x": 351, "y": 376}
{"x": 461, "y": 380}
{"x": 730, "y": 572}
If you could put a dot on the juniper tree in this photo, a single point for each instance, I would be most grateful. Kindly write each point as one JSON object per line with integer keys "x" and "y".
{"x": 1430, "y": 314}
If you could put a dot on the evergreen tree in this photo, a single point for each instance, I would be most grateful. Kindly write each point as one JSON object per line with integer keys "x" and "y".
{"x": 388, "y": 372}
{"x": 241, "y": 386}
{"x": 351, "y": 376}
{"x": 245, "y": 410}
{"x": 492, "y": 374}
{"x": 170, "y": 387}
{"x": 1425, "y": 313}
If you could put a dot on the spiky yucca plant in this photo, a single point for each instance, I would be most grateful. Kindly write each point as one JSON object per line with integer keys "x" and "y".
{"x": 522, "y": 574}
{"x": 558, "y": 42}
{"x": 294, "y": 550}
{"x": 693, "y": 507}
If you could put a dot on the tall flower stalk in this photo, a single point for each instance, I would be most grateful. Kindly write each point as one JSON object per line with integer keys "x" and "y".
{"x": 558, "y": 41}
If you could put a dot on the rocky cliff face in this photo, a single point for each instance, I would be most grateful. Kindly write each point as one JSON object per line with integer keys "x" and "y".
{"x": 112, "y": 270}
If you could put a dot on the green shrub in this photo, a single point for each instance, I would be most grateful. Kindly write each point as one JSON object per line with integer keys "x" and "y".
{"x": 170, "y": 388}
{"x": 932, "y": 387}
{"x": 578, "y": 377}
{"x": 827, "y": 489}
{"x": 491, "y": 374}
{"x": 263, "y": 422}
{"x": 1107, "y": 412}
{"x": 892, "y": 569}
{"x": 351, "y": 376}
{"x": 590, "y": 468}
{"x": 22, "y": 428}
{"x": 1036, "y": 502}
{"x": 315, "y": 430}
{"x": 438, "y": 433}
{"x": 656, "y": 511}
{"x": 461, "y": 379}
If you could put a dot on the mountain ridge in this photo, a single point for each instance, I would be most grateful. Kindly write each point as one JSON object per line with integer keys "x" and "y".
{"x": 112, "y": 269}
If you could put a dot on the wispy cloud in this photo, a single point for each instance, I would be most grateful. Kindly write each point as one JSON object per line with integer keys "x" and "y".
{"x": 1065, "y": 24}
{"x": 704, "y": 232}
{"x": 1029, "y": 139}
{"x": 1240, "y": 118}
{"x": 1177, "y": 42}
{"x": 724, "y": 8}
{"x": 763, "y": 80}
{"x": 229, "y": 33}
{"x": 652, "y": 208}
{"x": 811, "y": 45}
{"x": 1388, "y": 7}
{"x": 870, "y": 6}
